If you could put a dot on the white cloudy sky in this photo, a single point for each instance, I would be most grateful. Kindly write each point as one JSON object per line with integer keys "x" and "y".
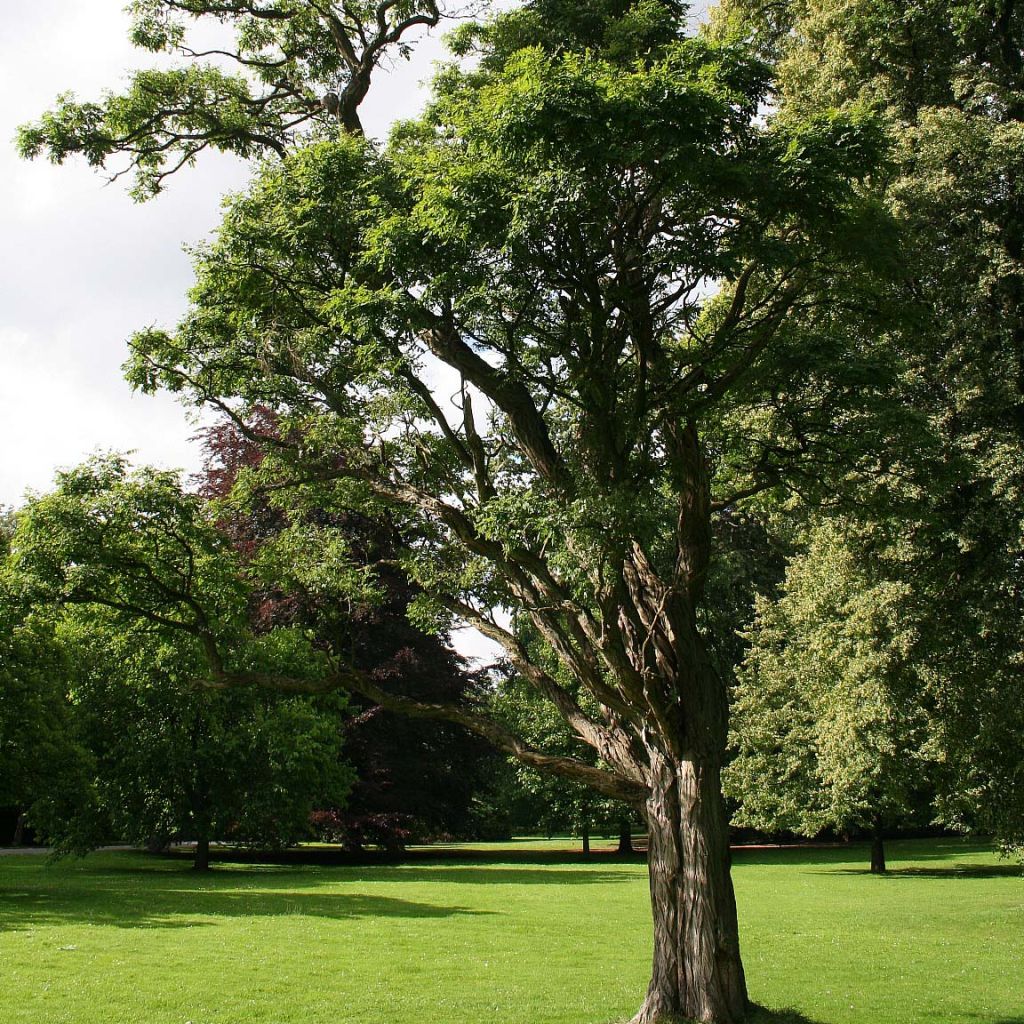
{"x": 82, "y": 266}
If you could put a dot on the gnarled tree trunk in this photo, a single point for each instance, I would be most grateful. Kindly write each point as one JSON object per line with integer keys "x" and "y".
{"x": 697, "y": 972}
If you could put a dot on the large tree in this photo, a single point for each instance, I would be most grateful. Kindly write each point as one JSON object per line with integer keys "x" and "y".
{"x": 947, "y": 78}
{"x": 166, "y": 759}
{"x": 413, "y": 778}
{"x": 548, "y": 328}
{"x": 831, "y": 722}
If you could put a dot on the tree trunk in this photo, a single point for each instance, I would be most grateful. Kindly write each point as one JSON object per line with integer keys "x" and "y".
{"x": 625, "y": 838}
{"x": 697, "y": 973}
{"x": 201, "y": 859}
{"x": 877, "y": 852}
{"x": 586, "y": 839}
{"x": 19, "y": 830}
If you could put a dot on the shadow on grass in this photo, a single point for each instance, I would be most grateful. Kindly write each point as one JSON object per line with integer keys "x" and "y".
{"x": 185, "y": 906}
{"x": 951, "y": 872}
{"x": 134, "y": 890}
{"x": 336, "y": 857}
{"x": 855, "y": 859}
{"x": 762, "y": 1015}
{"x": 473, "y": 867}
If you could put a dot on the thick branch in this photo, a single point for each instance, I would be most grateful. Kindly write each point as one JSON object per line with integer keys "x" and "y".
{"x": 603, "y": 781}
{"x": 510, "y": 396}
{"x": 615, "y": 749}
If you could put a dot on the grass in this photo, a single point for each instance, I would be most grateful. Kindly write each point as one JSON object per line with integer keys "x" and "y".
{"x": 514, "y": 935}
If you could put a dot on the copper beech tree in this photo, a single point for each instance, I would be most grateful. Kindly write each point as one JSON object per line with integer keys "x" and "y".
{"x": 554, "y": 327}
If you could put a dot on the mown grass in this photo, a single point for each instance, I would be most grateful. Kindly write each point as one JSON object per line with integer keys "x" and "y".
{"x": 516, "y": 937}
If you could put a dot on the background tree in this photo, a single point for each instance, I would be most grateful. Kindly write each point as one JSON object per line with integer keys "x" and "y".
{"x": 169, "y": 759}
{"x": 177, "y": 762}
{"x": 541, "y": 244}
{"x": 533, "y": 800}
{"x": 948, "y": 79}
{"x": 44, "y": 769}
{"x": 412, "y": 779}
{"x": 830, "y": 725}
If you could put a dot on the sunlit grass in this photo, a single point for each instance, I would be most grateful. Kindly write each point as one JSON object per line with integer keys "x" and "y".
{"x": 501, "y": 937}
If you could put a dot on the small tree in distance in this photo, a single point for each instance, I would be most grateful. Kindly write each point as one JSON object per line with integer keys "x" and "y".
{"x": 828, "y": 724}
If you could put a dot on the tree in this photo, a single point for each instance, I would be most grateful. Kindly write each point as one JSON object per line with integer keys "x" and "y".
{"x": 596, "y": 242}
{"x": 176, "y": 762}
{"x": 168, "y": 759}
{"x": 43, "y": 766}
{"x": 412, "y": 778}
{"x": 948, "y": 79}
{"x": 543, "y": 800}
{"x": 830, "y": 725}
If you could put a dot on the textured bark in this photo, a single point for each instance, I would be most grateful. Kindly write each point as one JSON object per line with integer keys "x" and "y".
{"x": 877, "y": 853}
{"x": 201, "y": 860}
{"x": 625, "y": 838}
{"x": 697, "y": 972}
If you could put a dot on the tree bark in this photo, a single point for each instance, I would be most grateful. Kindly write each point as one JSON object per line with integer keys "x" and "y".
{"x": 586, "y": 839}
{"x": 625, "y": 838}
{"x": 201, "y": 859}
{"x": 19, "y": 830}
{"x": 697, "y": 973}
{"x": 877, "y": 852}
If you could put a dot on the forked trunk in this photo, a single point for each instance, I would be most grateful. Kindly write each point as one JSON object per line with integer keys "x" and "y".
{"x": 697, "y": 973}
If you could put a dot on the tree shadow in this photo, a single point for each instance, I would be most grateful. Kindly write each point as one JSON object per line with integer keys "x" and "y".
{"x": 336, "y": 857}
{"x": 953, "y": 871}
{"x": 854, "y": 858}
{"x": 136, "y": 890}
{"x": 985, "y": 1019}
{"x": 762, "y": 1015}
{"x": 497, "y": 875}
{"x": 471, "y": 867}
{"x": 179, "y": 902}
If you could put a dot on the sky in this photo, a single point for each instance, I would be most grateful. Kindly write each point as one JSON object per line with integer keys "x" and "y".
{"x": 82, "y": 266}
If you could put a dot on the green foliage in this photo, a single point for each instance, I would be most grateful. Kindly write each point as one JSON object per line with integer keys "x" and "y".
{"x": 531, "y": 800}
{"x": 288, "y": 60}
{"x": 43, "y": 765}
{"x": 136, "y": 592}
{"x": 178, "y": 761}
{"x": 829, "y": 722}
{"x": 946, "y": 77}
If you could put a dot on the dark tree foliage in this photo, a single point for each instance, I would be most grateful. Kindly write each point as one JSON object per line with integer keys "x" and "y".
{"x": 413, "y": 779}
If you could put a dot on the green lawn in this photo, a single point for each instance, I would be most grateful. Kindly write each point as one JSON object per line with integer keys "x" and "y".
{"x": 516, "y": 938}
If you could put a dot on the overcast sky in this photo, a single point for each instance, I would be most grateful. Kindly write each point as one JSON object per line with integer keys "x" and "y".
{"x": 82, "y": 266}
